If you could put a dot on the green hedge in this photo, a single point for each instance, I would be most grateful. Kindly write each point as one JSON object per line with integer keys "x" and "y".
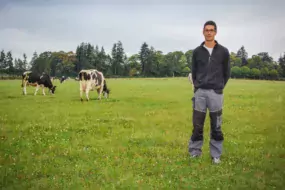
{"x": 10, "y": 77}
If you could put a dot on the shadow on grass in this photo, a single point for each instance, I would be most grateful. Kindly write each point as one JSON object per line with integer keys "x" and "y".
{"x": 103, "y": 100}
{"x": 21, "y": 96}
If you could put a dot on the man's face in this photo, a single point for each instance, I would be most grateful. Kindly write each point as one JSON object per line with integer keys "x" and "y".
{"x": 209, "y": 32}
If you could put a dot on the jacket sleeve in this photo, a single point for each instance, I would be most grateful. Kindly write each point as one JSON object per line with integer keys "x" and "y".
{"x": 194, "y": 67}
{"x": 227, "y": 67}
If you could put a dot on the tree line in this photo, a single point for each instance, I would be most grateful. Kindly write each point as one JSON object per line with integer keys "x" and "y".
{"x": 148, "y": 62}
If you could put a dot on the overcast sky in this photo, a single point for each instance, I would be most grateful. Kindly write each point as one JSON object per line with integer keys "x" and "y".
{"x": 53, "y": 25}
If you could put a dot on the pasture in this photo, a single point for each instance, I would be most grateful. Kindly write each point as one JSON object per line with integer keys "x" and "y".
{"x": 138, "y": 138}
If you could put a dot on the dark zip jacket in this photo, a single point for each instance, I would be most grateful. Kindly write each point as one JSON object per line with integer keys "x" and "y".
{"x": 211, "y": 72}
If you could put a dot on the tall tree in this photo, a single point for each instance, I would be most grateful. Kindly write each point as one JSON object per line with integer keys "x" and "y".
{"x": 144, "y": 54}
{"x": 25, "y": 63}
{"x": 90, "y": 55}
{"x": 255, "y": 62}
{"x": 151, "y": 63}
{"x": 3, "y": 64}
{"x": 9, "y": 62}
{"x": 43, "y": 63}
{"x": 120, "y": 52}
{"x": 34, "y": 58}
{"x": 101, "y": 64}
{"x": 134, "y": 64}
{"x": 114, "y": 60}
{"x": 243, "y": 55}
{"x": 282, "y": 64}
{"x": 84, "y": 57}
{"x": 19, "y": 66}
{"x": 265, "y": 57}
{"x": 189, "y": 55}
{"x": 118, "y": 56}
{"x": 157, "y": 62}
{"x": 95, "y": 58}
{"x": 78, "y": 65}
{"x": 235, "y": 61}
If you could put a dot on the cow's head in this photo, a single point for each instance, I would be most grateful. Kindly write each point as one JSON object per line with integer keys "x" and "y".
{"x": 52, "y": 89}
{"x": 106, "y": 90}
{"x": 106, "y": 93}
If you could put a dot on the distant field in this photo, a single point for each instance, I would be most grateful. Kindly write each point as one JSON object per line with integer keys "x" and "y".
{"x": 138, "y": 139}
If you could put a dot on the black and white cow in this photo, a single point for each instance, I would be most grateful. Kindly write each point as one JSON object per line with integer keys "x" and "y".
{"x": 62, "y": 79}
{"x": 30, "y": 78}
{"x": 90, "y": 80}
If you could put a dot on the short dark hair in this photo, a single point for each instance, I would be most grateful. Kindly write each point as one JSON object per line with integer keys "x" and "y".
{"x": 210, "y": 22}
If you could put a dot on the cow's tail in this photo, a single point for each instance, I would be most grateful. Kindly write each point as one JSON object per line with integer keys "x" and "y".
{"x": 82, "y": 81}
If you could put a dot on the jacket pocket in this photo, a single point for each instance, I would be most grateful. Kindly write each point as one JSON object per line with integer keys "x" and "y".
{"x": 218, "y": 91}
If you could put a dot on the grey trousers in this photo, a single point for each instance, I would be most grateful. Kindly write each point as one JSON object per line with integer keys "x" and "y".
{"x": 207, "y": 99}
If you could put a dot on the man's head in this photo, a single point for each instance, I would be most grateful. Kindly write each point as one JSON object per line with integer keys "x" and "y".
{"x": 210, "y": 30}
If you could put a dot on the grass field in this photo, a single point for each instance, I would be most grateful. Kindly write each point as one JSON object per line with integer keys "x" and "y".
{"x": 138, "y": 138}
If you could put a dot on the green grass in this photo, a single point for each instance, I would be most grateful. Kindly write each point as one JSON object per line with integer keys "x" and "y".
{"x": 138, "y": 138}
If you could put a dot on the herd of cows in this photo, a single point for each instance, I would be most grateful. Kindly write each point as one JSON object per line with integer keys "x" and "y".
{"x": 89, "y": 80}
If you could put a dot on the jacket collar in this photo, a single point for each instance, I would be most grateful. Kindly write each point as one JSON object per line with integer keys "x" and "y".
{"x": 202, "y": 44}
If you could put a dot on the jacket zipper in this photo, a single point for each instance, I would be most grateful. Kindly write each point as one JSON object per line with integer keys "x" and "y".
{"x": 209, "y": 63}
{"x": 208, "y": 67}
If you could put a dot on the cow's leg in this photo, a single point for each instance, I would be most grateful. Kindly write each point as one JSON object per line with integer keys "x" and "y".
{"x": 82, "y": 87}
{"x": 37, "y": 88}
{"x": 87, "y": 93}
{"x": 88, "y": 87}
{"x": 101, "y": 88}
{"x": 25, "y": 87}
{"x": 43, "y": 88}
{"x": 105, "y": 90}
{"x": 100, "y": 92}
{"x": 81, "y": 92}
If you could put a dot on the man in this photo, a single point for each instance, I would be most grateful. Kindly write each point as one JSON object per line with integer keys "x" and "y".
{"x": 210, "y": 74}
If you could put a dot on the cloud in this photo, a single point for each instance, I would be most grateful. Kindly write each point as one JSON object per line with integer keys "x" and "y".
{"x": 38, "y": 25}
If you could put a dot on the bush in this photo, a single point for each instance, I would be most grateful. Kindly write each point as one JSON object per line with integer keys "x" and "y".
{"x": 235, "y": 72}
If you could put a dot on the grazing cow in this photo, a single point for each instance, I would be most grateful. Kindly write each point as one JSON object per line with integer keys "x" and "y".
{"x": 90, "y": 80}
{"x": 62, "y": 79}
{"x": 190, "y": 80}
{"x": 30, "y": 78}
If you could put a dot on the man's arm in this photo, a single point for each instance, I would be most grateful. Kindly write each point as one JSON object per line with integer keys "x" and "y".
{"x": 194, "y": 67}
{"x": 227, "y": 67}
